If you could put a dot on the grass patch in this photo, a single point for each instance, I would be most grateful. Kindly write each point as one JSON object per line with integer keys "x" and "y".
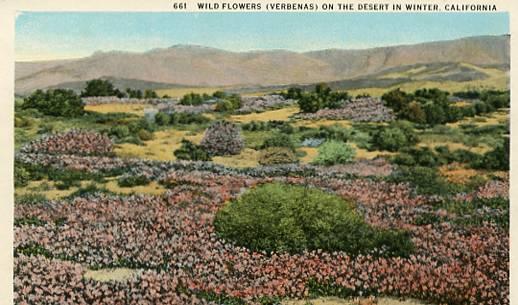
{"x": 137, "y": 109}
{"x": 318, "y": 123}
{"x": 161, "y": 147}
{"x": 247, "y": 158}
{"x": 282, "y": 114}
{"x": 153, "y": 188}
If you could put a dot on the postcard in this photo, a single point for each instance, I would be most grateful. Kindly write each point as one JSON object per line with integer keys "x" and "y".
{"x": 257, "y": 152}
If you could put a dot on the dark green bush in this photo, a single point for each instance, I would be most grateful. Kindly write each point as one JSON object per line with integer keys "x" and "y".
{"x": 191, "y": 151}
{"x": 162, "y": 119}
{"x": 100, "y": 87}
{"x": 425, "y": 180}
{"x": 59, "y": 102}
{"x": 136, "y": 126}
{"x": 119, "y": 131}
{"x": 496, "y": 159}
{"x": 21, "y": 176}
{"x": 333, "y": 132}
{"x": 90, "y": 189}
{"x": 132, "y": 180}
{"x": 30, "y": 198}
{"x": 224, "y": 106}
{"x": 288, "y": 218}
{"x": 194, "y": 99}
{"x": 187, "y": 118}
{"x": 277, "y": 155}
{"x": 145, "y": 135}
{"x": 321, "y": 97}
{"x": 278, "y": 140}
{"x": 395, "y": 137}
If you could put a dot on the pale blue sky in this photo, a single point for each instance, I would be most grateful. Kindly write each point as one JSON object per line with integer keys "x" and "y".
{"x": 43, "y": 35}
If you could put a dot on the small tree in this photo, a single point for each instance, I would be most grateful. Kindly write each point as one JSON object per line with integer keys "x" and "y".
{"x": 59, "y": 102}
{"x": 150, "y": 94}
{"x": 396, "y": 99}
{"x": 100, "y": 87}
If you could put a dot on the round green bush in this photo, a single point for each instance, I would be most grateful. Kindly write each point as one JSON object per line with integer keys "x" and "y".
{"x": 277, "y": 155}
{"x": 145, "y": 135}
{"x": 279, "y": 140}
{"x": 191, "y": 151}
{"x": 288, "y": 218}
{"x": 334, "y": 152}
{"x": 162, "y": 119}
{"x": 119, "y": 131}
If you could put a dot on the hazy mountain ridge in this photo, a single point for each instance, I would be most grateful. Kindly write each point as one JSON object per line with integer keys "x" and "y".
{"x": 206, "y": 66}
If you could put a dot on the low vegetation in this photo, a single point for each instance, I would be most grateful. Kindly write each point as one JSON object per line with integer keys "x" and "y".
{"x": 279, "y": 203}
{"x": 283, "y": 218}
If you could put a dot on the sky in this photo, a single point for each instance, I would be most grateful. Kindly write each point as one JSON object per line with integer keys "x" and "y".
{"x": 60, "y": 35}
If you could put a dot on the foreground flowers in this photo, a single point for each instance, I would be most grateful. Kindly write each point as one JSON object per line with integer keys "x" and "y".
{"x": 173, "y": 238}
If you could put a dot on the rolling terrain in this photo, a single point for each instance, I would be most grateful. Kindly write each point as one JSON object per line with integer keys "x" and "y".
{"x": 473, "y": 59}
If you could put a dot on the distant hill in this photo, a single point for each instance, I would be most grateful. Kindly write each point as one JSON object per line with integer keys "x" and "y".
{"x": 202, "y": 66}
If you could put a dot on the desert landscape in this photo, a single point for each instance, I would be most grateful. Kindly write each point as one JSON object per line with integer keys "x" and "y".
{"x": 196, "y": 175}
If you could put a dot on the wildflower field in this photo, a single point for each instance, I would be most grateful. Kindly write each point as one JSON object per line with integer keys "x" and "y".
{"x": 292, "y": 197}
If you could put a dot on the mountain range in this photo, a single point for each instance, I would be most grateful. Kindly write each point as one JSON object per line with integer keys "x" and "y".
{"x": 190, "y": 65}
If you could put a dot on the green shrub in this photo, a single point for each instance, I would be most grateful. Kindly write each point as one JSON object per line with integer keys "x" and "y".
{"x": 278, "y": 140}
{"x": 22, "y": 122}
{"x": 496, "y": 159}
{"x": 194, "y": 99}
{"x": 132, "y": 180}
{"x": 119, "y": 131}
{"x": 224, "y": 106}
{"x": 58, "y": 102}
{"x": 333, "y": 132}
{"x": 65, "y": 185}
{"x": 425, "y": 180}
{"x": 334, "y": 152}
{"x": 100, "y": 87}
{"x": 222, "y": 138}
{"x": 90, "y": 189}
{"x": 321, "y": 97}
{"x": 288, "y": 218}
{"x": 277, "y": 155}
{"x": 21, "y": 176}
{"x": 46, "y": 128}
{"x": 145, "y": 135}
{"x": 162, "y": 119}
{"x": 187, "y": 118}
{"x": 136, "y": 126}
{"x": 191, "y": 151}
{"x": 30, "y": 198}
{"x": 395, "y": 137}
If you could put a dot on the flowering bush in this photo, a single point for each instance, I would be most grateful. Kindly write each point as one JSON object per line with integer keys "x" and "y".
{"x": 222, "y": 138}
{"x": 357, "y": 110}
{"x": 71, "y": 142}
